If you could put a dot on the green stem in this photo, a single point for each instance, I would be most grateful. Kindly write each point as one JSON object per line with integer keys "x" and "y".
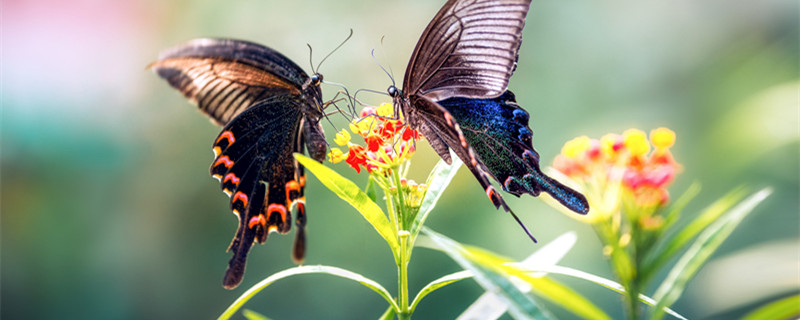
{"x": 403, "y": 278}
{"x": 401, "y": 212}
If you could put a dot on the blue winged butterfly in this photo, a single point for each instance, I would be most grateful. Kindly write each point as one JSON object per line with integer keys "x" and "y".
{"x": 455, "y": 92}
{"x": 269, "y": 108}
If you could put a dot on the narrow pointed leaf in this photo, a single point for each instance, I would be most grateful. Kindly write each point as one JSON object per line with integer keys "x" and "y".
{"x": 786, "y": 308}
{"x": 350, "y": 192}
{"x": 701, "y": 250}
{"x": 521, "y": 306}
{"x": 389, "y": 314}
{"x": 252, "y": 315}
{"x": 676, "y": 243}
{"x": 488, "y": 306}
{"x": 439, "y": 283}
{"x": 371, "y": 190}
{"x": 541, "y": 286}
{"x": 610, "y": 284}
{"x": 439, "y": 179}
{"x": 339, "y": 272}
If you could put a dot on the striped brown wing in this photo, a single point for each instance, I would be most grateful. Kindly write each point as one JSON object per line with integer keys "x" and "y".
{"x": 469, "y": 49}
{"x": 223, "y": 77}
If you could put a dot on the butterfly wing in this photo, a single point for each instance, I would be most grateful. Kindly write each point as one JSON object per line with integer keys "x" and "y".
{"x": 255, "y": 167}
{"x": 441, "y": 130}
{"x": 497, "y": 129}
{"x": 223, "y": 77}
{"x": 268, "y": 111}
{"x": 469, "y": 49}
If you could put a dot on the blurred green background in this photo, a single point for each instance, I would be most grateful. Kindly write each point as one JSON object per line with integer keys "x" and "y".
{"x": 108, "y": 210}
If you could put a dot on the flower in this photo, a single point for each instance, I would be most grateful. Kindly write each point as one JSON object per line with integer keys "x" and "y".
{"x": 621, "y": 169}
{"x": 335, "y": 155}
{"x": 387, "y": 142}
{"x": 342, "y": 138}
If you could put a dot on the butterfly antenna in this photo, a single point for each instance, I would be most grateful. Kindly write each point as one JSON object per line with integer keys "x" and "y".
{"x": 382, "y": 68}
{"x": 337, "y": 48}
{"x": 522, "y": 225}
{"x": 311, "y": 58}
{"x": 391, "y": 72}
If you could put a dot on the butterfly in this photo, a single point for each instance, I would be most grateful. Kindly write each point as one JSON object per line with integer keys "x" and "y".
{"x": 455, "y": 93}
{"x": 269, "y": 108}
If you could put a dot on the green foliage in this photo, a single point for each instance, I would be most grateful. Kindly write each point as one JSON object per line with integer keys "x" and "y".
{"x": 701, "y": 250}
{"x": 786, "y": 308}
{"x": 352, "y": 194}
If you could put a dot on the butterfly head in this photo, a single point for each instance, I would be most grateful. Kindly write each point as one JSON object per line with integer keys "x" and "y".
{"x": 394, "y": 92}
{"x": 316, "y": 80}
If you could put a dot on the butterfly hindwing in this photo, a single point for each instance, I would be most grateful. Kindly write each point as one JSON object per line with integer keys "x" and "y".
{"x": 497, "y": 129}
{"x": 440, "y": 128}
{"x": 260, "y": 174}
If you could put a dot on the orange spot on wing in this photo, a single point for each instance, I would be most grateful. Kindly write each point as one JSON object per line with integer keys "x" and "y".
{"x": 279, "y": 208}
{"x": 232, "y": 178}
{"x": 224, "y": 160}
{"x": 302, "y": 181}
{"x": 291, "y": 186}
{"x": 448, "y": 118}
{"x": 240, "y": 196}
{"x": 491, "y": 193}
{"x": 254, "y": 221}
{"x": 227, "y": 135}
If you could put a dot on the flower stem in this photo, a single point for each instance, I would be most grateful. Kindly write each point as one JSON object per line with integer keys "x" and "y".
{"x": 403, "y": 277}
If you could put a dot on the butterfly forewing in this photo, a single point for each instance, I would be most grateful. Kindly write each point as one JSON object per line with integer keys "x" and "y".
{"x": 469, "y": 49}
{"x": 223, "y": 77}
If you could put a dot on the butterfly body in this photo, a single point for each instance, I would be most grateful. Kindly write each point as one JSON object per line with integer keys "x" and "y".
{"x": 269, "y": 108}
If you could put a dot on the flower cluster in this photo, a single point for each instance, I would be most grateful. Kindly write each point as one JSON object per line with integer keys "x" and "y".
{"x": 621, "y": 169}
{"x": 388, "y": 142}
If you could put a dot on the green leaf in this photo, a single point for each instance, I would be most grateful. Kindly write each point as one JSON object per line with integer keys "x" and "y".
{"x": 438, "y": 180}
{"x": 610, "y": 284}
{"x": 371, "y": 190}
{"x": 786, "y": 308}
{"x": 701, "y": 250}
{"x": 252, "y": 315}
{"x": 676, "y": 208}
{"x": 389, "y": 314}
{"x": 658, "y": 258}
{"x": 438, "y": 283}
{"x": 350, "y": 192}
{"x": 489, "y": 306}
{"x": 339, "y": 272}
{"x": 521, "y": 306}
{"x": 542, "y": 286}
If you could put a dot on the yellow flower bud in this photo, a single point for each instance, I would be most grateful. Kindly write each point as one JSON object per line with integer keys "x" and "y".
{"x": 576, "y": 146}
{"x": 662, "y": 138}
{"x": 385, "y": 110}
{"x": 335, "y": 155}
{"x": 636, "y": 142}
{"x": 342, "y": 138}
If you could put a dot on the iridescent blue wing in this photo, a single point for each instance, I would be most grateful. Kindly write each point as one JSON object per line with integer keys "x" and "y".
{"x": 498, "y": 132}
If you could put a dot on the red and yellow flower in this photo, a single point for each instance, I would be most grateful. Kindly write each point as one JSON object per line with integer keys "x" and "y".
{"x": 627, "y": 169}
{"x": 387, "y": 142}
